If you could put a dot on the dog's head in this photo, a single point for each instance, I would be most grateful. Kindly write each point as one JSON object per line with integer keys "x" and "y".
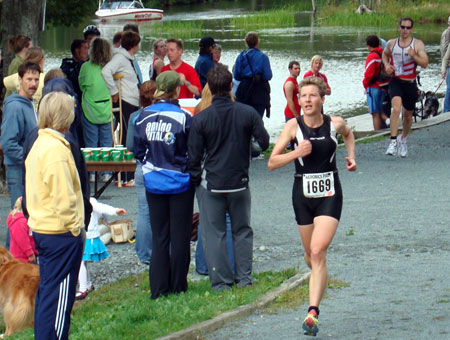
{"x": 5, "y": 256}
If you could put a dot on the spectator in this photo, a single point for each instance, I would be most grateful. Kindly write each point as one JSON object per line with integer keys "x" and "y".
{"x": 90, "y": 32}
{"x": 190, "y": 83}
{"x": 161, "y": 134}
{"x": 290, "y": 89}
{"x": 217, "y": 53}
{"x": 316, "y": 66}
{"x": 143, "y": 244}
{"x": 72, "y": 66}
{"x": 117, "y": 39}
{"x": 220, "y": 136}
{"x": 96, "y": 103}
{"x": 252, "y": 69}
{"x": 19, "y": 118}
{"x": 22, "y": 243}
{"x": 205, "y": 59}
{"x": 374, "y": 88}
{"x": 34, "y": 55}
{"x": 159, "y": 54}
{"x": 55, "y": 80}
{"x": 122, "y": 63}
{"x": 55, "y": 206}
{"x": 135, "y": 29}
{"x": 19, "y": 44}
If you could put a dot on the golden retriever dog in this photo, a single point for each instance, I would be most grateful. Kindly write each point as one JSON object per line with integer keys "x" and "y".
{"x": 18, "y": 286}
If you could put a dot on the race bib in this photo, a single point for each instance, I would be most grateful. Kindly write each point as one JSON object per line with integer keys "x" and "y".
{"x": 318, "y": 185}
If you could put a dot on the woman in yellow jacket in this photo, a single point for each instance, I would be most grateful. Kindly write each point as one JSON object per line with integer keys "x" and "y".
{"x": 56, "y": 216}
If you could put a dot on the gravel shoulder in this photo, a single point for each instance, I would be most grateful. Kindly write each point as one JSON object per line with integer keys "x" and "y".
{"x": 396, "y": 261}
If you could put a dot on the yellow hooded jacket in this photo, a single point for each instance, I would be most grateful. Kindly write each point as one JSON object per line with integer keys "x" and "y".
{"x": 54, "y": 198}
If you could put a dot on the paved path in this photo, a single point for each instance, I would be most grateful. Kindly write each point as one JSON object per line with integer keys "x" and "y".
{"x": 397, "y": 262}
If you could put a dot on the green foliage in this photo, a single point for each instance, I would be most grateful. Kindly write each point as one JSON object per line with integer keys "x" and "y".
{"x": 69, "y": 12}
{"x": 298, "y": 296}
{"x": 282, "y": 17}
{"x": 342, "y": 13}
{"x": 123, "y": 310}
{"x": 179, "y": 29}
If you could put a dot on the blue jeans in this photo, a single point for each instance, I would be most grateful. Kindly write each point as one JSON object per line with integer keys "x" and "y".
{"x": 143, "y": 243}
{"x": 447, "y": 92}
{"x": 200, "y": 260}
{"x": 96, "y": 135}
{"x": 15, "y": 176}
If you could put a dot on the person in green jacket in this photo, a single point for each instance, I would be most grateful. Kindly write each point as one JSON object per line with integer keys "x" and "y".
{"x": 96, "y": 100}
{"x": 19, "y": 44}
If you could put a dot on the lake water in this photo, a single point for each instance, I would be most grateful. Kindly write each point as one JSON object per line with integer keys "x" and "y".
{"x": 342, "y": 48}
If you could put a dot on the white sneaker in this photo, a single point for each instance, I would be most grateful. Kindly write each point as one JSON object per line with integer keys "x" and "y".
{"x": 403, "y": 147}
{"x": 387, "y": 122}
{"x": 392, "y": 148}
{"x": 92, "y": 177}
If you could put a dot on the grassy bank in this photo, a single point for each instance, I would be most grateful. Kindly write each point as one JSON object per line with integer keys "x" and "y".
{"x": 342, "y": 13}
{"x": 123, "y": 310}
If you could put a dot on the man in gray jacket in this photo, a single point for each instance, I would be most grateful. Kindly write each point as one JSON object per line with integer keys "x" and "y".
{"x": 222, "y": 133}
{"x": 19, "y": 119}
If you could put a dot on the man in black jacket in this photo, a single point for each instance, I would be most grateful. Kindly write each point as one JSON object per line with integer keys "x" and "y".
{"x": 221, "y": 135}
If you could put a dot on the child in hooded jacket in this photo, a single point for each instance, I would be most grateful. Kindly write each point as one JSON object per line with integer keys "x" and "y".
{"x": 22, "y": 245}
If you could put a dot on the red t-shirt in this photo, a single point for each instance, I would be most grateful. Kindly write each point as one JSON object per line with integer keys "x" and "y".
{"x": 287, "y": 110}
{"x": 320, "y": 75}
{"x": 191, "y": 76}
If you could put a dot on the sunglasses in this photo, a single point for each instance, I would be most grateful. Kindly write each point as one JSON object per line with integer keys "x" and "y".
{"x": 405, "y": 27}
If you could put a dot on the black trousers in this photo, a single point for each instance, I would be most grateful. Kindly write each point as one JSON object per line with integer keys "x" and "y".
{"x": 171, "y": 222}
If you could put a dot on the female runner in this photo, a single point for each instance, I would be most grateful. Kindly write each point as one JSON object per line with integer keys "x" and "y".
{"x": 317, "y": 193}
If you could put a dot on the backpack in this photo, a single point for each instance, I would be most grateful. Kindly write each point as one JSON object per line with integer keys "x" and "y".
{"x": 382, "y": 77}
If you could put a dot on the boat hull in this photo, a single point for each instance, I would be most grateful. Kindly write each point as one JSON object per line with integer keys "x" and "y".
{"x": 134, "y": 14}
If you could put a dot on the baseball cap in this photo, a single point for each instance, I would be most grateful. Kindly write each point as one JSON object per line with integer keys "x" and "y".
{"x": 206, "y": 42}
{"x": 167, "y": 81}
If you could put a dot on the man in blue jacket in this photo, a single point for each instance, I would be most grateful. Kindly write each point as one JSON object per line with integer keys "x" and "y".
{"x": 252, "y": 69}
{"x": 221, "y": 135}
{"x": 19, "y": 118}
{"x": 205, "y": 61}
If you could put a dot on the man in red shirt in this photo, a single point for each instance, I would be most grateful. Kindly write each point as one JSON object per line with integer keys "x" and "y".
{"x": 189, "y": 78}
{"x": 290, "y": 89}
{"x": 374, "y": 88}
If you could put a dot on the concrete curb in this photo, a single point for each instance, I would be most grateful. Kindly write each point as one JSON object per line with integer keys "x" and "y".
{"x": 193, "y": 332}
{"x": 363, "y": 135}
{"x": 442, "y": 118}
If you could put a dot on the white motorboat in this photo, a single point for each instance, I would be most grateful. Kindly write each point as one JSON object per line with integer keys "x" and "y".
{"x": 126, "y": 10}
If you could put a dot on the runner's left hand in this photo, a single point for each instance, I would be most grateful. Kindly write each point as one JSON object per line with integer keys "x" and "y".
{"x": 351, "y": 164}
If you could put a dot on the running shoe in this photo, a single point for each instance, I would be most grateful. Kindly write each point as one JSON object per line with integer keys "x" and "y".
{"x": 403, "y": 147}
{"x": 392, "y": 148}
{"x": 311, "y": 324}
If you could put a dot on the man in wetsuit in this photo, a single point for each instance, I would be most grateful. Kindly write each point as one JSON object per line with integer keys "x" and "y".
{"x": 290, "y": 89}
{"x": 401, "y": 57}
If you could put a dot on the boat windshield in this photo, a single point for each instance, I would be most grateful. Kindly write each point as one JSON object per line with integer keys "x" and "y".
{"x": 109, "y": 4}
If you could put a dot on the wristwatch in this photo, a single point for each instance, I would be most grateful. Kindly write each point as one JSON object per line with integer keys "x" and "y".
{"x": 187, "y": 83}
